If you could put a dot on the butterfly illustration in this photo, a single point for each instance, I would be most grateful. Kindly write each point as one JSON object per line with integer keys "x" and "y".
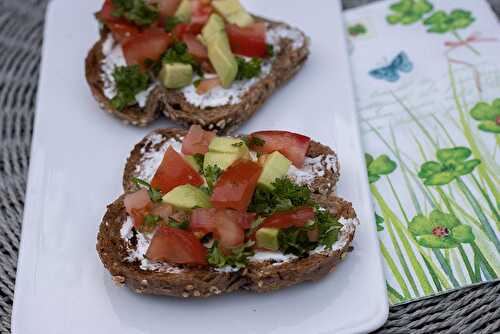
{"x": 391, "y": 72}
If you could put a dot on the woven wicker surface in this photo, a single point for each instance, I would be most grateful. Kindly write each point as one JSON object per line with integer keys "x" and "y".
{"x": 471, "y": 310}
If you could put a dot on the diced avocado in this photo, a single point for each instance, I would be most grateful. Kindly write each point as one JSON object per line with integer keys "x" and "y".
{"x": 214, "y": 27}
{"x": 275, "y": 166}
{"x": 267, "y": 238}
{"x": 176, "y": 75}
{"x": 192, "y": 161}
{"x": 228, "y": 145}
{"x": 183, "y": 12}
{"x": 219, "y": 50}
{"x": 187, "y": 197}
{"x": 222, "y": 160}
{"x": 233, "y": 11}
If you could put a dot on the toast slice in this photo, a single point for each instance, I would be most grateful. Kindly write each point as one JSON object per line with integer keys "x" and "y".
{"x": 116, "y": 242}
{"x": 320, "y": 172}
{"x": 291, "y": 51}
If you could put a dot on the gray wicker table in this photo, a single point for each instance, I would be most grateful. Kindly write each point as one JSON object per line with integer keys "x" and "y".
{"x": 471, "y": 310}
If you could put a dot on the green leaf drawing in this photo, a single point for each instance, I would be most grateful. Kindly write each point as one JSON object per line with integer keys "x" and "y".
{"x": 488, "y": 116}
{"x": 383, "y": 165}
{"x": 440, "y": 22}
{"x": 407, "y": 12}
{"x": 452, "y": 163}
{"x": 380, "y": 222}
{"x": 357, "y": 29}
{"x": 440, "y": 230}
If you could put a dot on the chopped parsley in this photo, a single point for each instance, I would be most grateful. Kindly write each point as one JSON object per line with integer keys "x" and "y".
{"x": 171, "y": 22}
{"x": 248, "y": 69}
{"x": 270, "y": 50}
{"x": 178, "y": 53}
{"x": 252, "y": 141}
{"x": 328, "y": 226}
{"x": 295, "y": 241}
{"x": 237, "y": 259}
{"x": 129, "y": 81}
{"x": 285, "y": 196}
{"x": 199, "y": 158}
{"x": 238, "y": 144}
{"x": 135, "y": 11}
{"x": 183, "y": 224}
{"x": 154, "y": 194}
{"x": 150, "y": 223}
{"x": 212, "y": 174}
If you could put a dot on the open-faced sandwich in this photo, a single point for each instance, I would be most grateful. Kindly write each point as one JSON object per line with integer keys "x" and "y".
{"x": 206, "y": 62}
{"x": 204, "y": 215}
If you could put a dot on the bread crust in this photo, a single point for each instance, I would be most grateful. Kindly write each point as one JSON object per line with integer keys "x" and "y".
{"x": 174, "y": 105}
{"x": 201, "y": 282}
{"x": 320, "y": 185}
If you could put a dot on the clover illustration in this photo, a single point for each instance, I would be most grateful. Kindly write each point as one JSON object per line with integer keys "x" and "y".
{"x": 440, "y": 22}
{"x": 357, "y": 29}
{"x": 407, "y": 12}
{"x": 379, "y": 221}
{"x": 383, "y": 165}
{"x": 452, "y": 163}
{"x": 488, "y": 116}
{"x": 440, "y": 230}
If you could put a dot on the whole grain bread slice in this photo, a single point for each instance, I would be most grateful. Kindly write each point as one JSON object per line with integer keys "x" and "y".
{"x": 188, "y": 281}
{"x": 172, "y": 103}
{"x": 155, "y": 144}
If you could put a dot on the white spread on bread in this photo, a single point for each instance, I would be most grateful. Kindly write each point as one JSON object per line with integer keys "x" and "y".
{"x": 313, "y": 168}
{"x": 278, "y": 33}
{"x": 113, "y": 57}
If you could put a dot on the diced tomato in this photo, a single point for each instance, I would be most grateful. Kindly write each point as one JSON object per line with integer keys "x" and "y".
{"x": 122, "y": 32}
{"x": 176, "y": 246}
{"x": 174, "y": 171}
{"x": 203, "y": 220}
{"x": 294, "y": 218}
{"x": 197, "y": 140}
{"x": 195, "y": 47}
{"x": 200, "y": 12}
{"x": 164, "y": 211}
{"x": 228, "y": 231}
{"x": 149, "y": 44}
{"x": 292, "y": 145}
{"x": 166, "y": 7}
{"x": 313, "y": 235}
{"x": 207, "y": 85}
{"x": 136, "y": 200}
{"x": 249, "y": 41}
{"x": 235, "y": 187}
{"x": 106, "y": 13}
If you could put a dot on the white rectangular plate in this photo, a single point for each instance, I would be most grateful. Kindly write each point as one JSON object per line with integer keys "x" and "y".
{"x": 76, "y": 167}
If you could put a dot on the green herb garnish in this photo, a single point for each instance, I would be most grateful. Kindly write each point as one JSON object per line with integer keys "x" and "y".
{"x": 328, "y": 226}
{"x": 183, "y": 225}
{"x": 237, "y": 259}
{"x": 248, "y": 69}
{"x": 238, "y": 144}
{"x": 270, "y": 50}
{"x": 199, "y": 158}
{"x": 171, "y": 22}
{"x": 178, "y": 53}
{"x": 129, "y": 81}
{"x": 135, "y": 11}
{"x": 154, "y": 194}
{"x": 295, "y": 241}
{"x": 252, "y": 141}
{"x": 212, "y": 174}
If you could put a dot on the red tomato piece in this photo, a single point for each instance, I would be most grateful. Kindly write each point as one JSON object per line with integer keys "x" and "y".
{"x": 122, "y": 32}
{"x": 166, "y": 7}
{"x": 235, "y": 187}
{"x": 207, "y": 85}
{"x": 195, "y": 47}
{"x": 228, "y": 230}
{"x": 202, "y": 221}
{"x": 200, "y": 12}
{"x": 249, "y": 41}
{"x": 294, "y": 146}
{"x": 176, "y": 246}
{"x": 174, "y": 171}
{"x": 106, "y": 13}
{"x": 294, "y": 218}
{"x": 197, "y": 140}
{"x": 136, "y": 200}
{"x": 164, "y": 211}
{"x": 149, "y": 44}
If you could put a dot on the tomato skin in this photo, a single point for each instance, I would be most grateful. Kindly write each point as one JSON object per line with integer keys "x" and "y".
{"x": 197, "y": 140}
{"x": 249, "y": 41}
{"x": 228, "y": 231}
{"x": 176, "y": 246}
{"x": 166, "y": 7}
{"x": 174, "y": 171}
{"x": 203, "y": 221}
{"x": 137, "y": 205}
{"x": 148, "y": 44}
{"x": 294, "y": 146}
{"x": 236, "y": 185}
{"x": 200, "y": 12}
{"x": 122, "y": 32}
{"x": 207, "y": 85}
{"x": 164, "y": 211}
{"x": 195, "y": 47}
{"x": 105, "y": 14}
{"x": 297, "y": 217}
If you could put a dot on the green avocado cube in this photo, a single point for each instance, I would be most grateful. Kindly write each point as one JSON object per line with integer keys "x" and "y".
{"x": 275, "y": 167}
{"x": 192, "y": 162}
{"x": 214, "y": 27}
{"x": 233, "y": 11}
{"x": 187, "y": 197}
{"x": 176, "y": 75}
{"x": 228, "y": 145}
{"x": 183, "y": 12}
{"x": 267, "y": 238}
{"x": 221, "y": 160}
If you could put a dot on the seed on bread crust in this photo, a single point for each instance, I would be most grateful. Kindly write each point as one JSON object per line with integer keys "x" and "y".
{"x": 173, "y": 104}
